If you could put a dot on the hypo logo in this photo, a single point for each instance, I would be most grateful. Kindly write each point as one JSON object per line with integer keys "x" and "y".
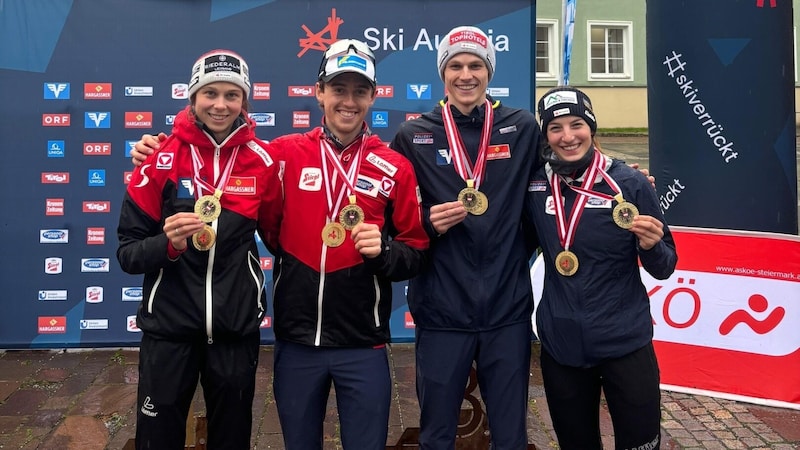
{"x": 418, "y": 91}
{"x": 56, "y": 91}
{"x": 96, "y": 119}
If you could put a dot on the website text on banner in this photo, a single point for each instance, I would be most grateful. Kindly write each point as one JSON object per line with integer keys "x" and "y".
{"x": 725, "y": 324}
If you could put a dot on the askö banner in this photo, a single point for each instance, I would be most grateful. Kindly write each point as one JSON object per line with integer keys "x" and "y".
{"x": 84, "y": 79}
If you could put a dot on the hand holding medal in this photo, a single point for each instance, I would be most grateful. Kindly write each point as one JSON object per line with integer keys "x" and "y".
{"x": 474, "y": 201}
{"x": 624, "y": 212}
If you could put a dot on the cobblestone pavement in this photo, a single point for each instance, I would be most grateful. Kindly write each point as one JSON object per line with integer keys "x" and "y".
{"x": 85, "y": 399}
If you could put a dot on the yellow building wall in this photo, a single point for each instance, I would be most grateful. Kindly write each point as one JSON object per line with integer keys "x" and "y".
{"x": 616, "y": 107}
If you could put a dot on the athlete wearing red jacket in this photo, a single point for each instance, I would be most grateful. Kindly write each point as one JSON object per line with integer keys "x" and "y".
{"x": 333, "y": 286}
{"x": 203, "y": 284}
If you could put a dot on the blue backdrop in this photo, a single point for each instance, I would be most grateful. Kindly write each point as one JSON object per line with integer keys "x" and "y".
{"x": 82, "y": 80}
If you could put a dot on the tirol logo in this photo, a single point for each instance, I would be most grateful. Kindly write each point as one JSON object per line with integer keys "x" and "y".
{"x": 301, "y": 91}
{"x": 55, "y": 177}
{"x": 135, "y": 119}
{"x": 96, "y": 206}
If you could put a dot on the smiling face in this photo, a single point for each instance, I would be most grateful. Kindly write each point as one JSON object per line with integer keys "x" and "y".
{"x": 465, "y": 79}
{"x": 218, "y": 105}
{"x": 569, "y": 136}
{"x": 345, "y": 101}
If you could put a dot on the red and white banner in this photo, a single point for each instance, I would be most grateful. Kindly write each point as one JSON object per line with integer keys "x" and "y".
{"x": 727, "y": 322}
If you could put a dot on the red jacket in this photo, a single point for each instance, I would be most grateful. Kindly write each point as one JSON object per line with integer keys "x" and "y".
{"x": 202, "y": 294}
{"x": 332, "y": 296}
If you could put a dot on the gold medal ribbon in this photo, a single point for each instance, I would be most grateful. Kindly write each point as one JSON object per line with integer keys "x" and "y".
{"x": 566, "y": 232}
{"x": 461, "y": 161}
{"x": 221, "y": 178}
{"x": 348, "y": 177}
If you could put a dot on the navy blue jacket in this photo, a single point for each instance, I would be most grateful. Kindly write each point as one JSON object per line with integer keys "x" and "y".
{"x": 478, "y": 278}
{"x": 602, "y": 311}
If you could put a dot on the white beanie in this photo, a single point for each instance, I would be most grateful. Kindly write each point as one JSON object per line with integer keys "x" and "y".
{"x": 220, "y": 65}
{"x": 466, "y": 40}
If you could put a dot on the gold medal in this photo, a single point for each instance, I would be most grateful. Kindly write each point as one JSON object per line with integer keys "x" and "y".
{"x": 624, "y": 212}
{"x": 333, "y": 234}
{"x": 566, "y": 263}
{"x": 351, "y": 215}
{"x": 204, "y": 239}
{"x": 208, "y": 208}
{"x": 474, "y": 201}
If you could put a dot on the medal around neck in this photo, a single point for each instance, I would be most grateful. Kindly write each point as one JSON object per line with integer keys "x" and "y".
{"x": 204, "y": 239}
{"x": 624, "y": 213}
{"x": 474, "y": 201}
{"x": 566, "y": 263}
{"x": 333, "y": 234}
{"x": 208, "y": 208}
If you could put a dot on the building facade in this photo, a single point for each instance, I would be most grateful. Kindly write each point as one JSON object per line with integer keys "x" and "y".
{"x": 608, "y": 58}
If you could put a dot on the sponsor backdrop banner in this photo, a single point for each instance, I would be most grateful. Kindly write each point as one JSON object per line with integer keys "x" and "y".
{"x": 721, "y": 113}
{"x": 725, "y": 323}
{"x": 82, "y": 80}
